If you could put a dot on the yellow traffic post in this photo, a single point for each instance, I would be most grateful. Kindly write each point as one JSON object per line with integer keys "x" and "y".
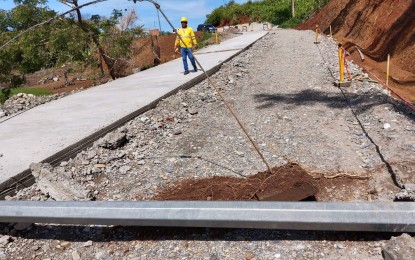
{"x": 216, "y": 35}
{"x": 341, "y": 63}
{"x": 387, "y": 70}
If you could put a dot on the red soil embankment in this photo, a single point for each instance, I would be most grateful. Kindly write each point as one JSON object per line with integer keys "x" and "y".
{"x": 378, "y": 28}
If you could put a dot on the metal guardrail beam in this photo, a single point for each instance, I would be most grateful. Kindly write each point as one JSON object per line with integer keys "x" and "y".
{"x": 381, "y": 217}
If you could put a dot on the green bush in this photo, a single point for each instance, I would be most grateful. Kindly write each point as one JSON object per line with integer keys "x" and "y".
{"x": 277, "y": 12}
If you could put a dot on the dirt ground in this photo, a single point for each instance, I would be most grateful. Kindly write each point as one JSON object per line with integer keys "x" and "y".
{"x": 289, "y": 182}
{"x": 282, "y": 89}
{"x": 378, "y": 28}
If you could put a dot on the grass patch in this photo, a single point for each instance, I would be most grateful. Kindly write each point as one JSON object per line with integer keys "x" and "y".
{"x": 6, "y": 94}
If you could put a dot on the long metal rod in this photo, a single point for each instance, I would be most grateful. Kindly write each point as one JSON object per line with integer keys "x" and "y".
{"x": 378, "y": 217}
{"x": 217, "y": 91}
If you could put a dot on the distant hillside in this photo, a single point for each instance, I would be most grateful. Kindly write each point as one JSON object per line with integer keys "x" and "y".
{"x": 277, "y": 12}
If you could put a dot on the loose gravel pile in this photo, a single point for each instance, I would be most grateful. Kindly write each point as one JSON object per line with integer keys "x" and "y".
{"x": 22, "y": 102}
{"x": 282, "y": 88}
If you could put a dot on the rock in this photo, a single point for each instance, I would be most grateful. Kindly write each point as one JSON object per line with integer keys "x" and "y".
{"x": 141, "y": 162}
{"x": 63, "y": 164}
{"x": 2, "y": 114}
{"x": 177, "y": 131}
{"x": 402, "y": 247}
{"x": 22, "y": 226}
{"x": 407, "y": 186}
{"x": 113, "y": 141}
{"x": 85, "y": 162}
{"x": 184, "y": 104}
{"x": 75, "y": 255}
{"x": 102, "y": 255}
{"x": 405, "y": 195}
{"x": 386, "y": 126}
{"x": 91, "y": 154}
{"x": 88, "y": 243}
{"x": 57, "y": 185}
{"x": 65, "y": 244}
{"x": 4, "y": 240}
{"x": 240, "y": 154}
{"x": 144, "y": 119}
{"x": 125, "y": 169}
{"x": 136, "y": 70}
{"x": 169, "y": 168}
{"x": 192, "y": 111}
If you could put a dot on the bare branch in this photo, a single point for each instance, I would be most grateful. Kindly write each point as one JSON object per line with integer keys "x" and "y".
{"x": 49, "y": 20}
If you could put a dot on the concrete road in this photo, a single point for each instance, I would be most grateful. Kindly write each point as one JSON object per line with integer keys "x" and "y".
{"x": 46, "y": 130}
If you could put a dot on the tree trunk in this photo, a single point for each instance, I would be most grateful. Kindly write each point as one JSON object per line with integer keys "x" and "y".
{"x": 108, "y": 61}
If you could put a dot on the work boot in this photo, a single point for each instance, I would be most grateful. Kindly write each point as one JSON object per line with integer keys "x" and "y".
{"x": 186, "y": 72}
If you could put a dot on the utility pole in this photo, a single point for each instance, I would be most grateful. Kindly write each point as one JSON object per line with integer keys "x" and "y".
{"x": 293, "y": 8}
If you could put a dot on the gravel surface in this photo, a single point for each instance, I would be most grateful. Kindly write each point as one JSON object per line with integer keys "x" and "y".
{"x": 282, "y": 89}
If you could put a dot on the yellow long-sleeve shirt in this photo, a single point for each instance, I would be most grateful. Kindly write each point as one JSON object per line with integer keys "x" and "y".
{"x": 188, "y": 37}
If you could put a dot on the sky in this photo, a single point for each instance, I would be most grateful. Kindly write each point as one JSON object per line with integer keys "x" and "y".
{"x": 194, "y": 10}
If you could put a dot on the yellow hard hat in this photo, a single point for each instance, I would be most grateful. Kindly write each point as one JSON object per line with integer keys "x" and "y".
{"x": 184, "y": 19}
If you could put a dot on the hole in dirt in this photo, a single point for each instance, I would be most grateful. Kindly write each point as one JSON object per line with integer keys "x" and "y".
{"x": 286, "y": 183}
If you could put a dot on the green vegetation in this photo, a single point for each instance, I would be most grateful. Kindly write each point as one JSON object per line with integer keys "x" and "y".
{"x": 6, "y": 93}
{"x": 277, "y": 12}
{"x": 73, "y": 39}
{"x": 205, "y": 39}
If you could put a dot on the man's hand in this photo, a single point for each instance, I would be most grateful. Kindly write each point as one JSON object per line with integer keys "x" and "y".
{"x": 176, "y": 50}
{"x": 195, "y": 46}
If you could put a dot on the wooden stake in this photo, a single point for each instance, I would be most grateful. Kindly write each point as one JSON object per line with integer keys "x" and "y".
{"x": 387, "y": 70}
{"x": 293, "y": 8}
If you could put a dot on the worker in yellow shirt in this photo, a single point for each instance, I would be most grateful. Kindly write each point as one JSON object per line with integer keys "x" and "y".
{"x": 187, "y": 45}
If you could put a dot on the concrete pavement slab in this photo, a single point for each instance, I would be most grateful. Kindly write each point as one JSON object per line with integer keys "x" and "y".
{"x": 41, "y": 133}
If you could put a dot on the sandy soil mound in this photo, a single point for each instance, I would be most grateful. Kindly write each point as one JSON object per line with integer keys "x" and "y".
{"x": 378, "y": 28}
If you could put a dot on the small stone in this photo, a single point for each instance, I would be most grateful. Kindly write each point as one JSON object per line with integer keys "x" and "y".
{"x": 144, "y": 119}
{"x": 87, "y": 243}
{"x": 22, "y": 226}
{"x": 169, "y": 168}
{"x": 185, "y": 104}
{"x": 192, "y": 111}
{"x": 249, "y": 256}
{"x": 63, "y": 164}
{"x": 35, "y": 248}
{"x": 4, "y": 240}
{"x": 300, "y": 247}
{"x": 2, "y": 114}
{"x": 75, "y": 255}
{"x": 240, "y": 154}
{"x": 409, "y": 186}
{"x": 386, "y": 126}
{"x": 177, "y": 131}
{"x": 85, "y": 162}
{"x": 141, "y": 162}
{"x": 125, "y": 169}
{"x": 157, "y": 162}
{"x": 65, "y": 244}
{"x": 99, "y": 165}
